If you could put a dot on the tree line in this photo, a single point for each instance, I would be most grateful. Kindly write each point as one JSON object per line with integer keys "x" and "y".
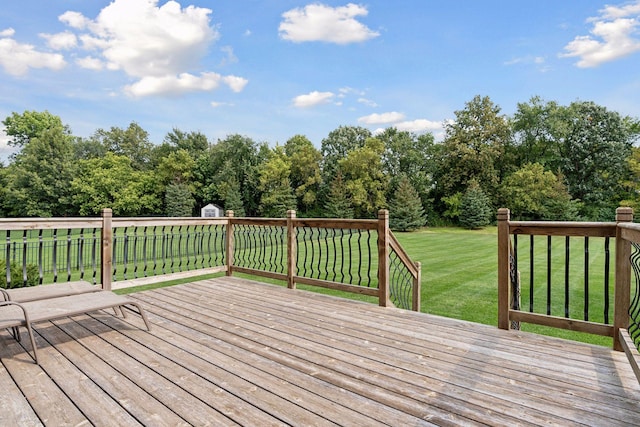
{"x": 546, "y": 161}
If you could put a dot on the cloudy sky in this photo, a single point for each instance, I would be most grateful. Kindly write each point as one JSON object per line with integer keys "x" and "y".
{"x": 273, "y": 69}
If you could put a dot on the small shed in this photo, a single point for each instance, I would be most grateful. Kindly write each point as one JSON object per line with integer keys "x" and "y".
{"x": 211, "y": 211}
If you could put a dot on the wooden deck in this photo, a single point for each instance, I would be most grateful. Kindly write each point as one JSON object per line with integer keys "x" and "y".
{"x": 229, "y": 351}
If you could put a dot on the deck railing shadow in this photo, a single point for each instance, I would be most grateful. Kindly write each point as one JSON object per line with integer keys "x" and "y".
{"x": 358, "y": 256}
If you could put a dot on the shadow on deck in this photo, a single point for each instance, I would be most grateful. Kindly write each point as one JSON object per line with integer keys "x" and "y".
{"x": 229, "y": 351}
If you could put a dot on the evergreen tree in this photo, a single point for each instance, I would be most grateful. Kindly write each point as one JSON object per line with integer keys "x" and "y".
{"x": 178, "y": 200}
{"x": 405, "y": 210}
{"x": 338, "y": 204}
{"x": 233, "y": 201}
{"x": 475, "y": 208}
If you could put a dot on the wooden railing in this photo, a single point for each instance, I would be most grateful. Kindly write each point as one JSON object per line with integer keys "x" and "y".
{"x": 593, "y": 298}
{"x": 359, "y": 256}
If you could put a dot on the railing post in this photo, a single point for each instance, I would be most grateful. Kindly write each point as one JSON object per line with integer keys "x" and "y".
{"x": 623, "y": 279}
{"x": 229, "y": 243}
{"x": 503, "y": 268}
{"x": 106, "y": 264}
{"x": 383, "y": 258}
{"x": 416, "y": 287}
{"x": 291, "y": 249}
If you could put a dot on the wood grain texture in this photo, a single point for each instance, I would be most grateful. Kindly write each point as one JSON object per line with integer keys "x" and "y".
{"x": 229, "y": 351}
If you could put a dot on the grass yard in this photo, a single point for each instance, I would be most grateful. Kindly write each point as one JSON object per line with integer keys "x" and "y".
{"x": 459, "y": 274}
{"x": 460, "y": 277}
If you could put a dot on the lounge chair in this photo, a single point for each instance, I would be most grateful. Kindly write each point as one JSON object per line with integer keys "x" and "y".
{"x": 55, "y": 290}
{"x": 14, "y": 314}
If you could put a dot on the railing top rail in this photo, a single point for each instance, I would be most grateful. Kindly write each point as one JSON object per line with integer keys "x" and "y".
{"x": 560, "y": 224}
{"x": 630, "y": 231}
{"x": 630, "y": 225}
{"x": 167, "y": 221}
{"x": 402, "y": 254}
{"x": 265, "y": 222}
{"x": 555, "y": 228}
{"x": 350, "y": 224}
{"x": 48, "y": 223}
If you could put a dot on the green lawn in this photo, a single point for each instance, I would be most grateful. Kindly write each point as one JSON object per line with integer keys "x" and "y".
{"x": 460, "y": 276}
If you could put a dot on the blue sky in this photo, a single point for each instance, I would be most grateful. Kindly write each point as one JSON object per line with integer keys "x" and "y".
{"x": 272, "y": 69}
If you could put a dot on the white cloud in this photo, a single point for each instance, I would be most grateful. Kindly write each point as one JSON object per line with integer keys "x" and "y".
{"x": 215, "y": 104}
{"x": 146, "y": 40}
{"x": 419, "y": 126}
{"x": 538, "y": 61}
{"x": 5, "y": 150}
{"x": 367, "y": 102}
{"x": 231, "y": 58}
{"x": 185, "y": 82}
{"x": 17, "y": 58}
{"x": 61, "y": 41}
{"x": 9, "y": 32}
{"x": 318, "y": 22}
{"x": 312, "y": 99}
{"x": 235, "y": 83}
{"x": 74, "y": 20}
{"x": 384, "y": 118}
{"x": 158, "y": 45}
{"x": 613, "y": 36}
{"x": 90, "y": 63}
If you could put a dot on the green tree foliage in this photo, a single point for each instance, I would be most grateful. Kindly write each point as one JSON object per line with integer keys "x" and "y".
{"x": 37, "y": 182}
{"x": 534, "y": 125}
{"x": 475, "y": 207}
{"x": 132, "y": 142}
{"x": 364, "y": 180}
{"x": 232, "y": 199}
{"x": 194, "y": 143}
{"x": 473, "y": 148}
{"x": 405, "y": 209}
{"x": 230, "y": 163}
{"x": 178, "y": 167}
{"x": 338, "y": 204}
{"x": 306, "y": 177}
{"x": 531, "y": 193}
{"x": 593, "y": 146}
{"x": 410, "y": 156}
{"x": 112, "y": 182}
{"x": 31, "y": 124}
{"x": 277, "y": 194}
{"x": 587, "y": 149}
{"x": 336, "y": 146}
{"x": 178, "y": 200}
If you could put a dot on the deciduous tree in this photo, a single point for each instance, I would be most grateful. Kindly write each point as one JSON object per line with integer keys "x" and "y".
{"x": 364, "y": 180}
{"x": 132, "y": 142}
{"x": 305, "y": 174}
{"x": 531, "y": 193}
{"x": 112, "y": 182}
{"x": 22, "y": 128}
{"x": 473, "y": 148}
{"x": 37, "y": 182}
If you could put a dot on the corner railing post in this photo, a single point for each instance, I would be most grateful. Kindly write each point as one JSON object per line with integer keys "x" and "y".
{"x": 291, "y": 249}
{"x": 383, "y": 258}
{"x": 623, "y": 278}
{"x": 229, "y": 243}
{"x": 503, "y": 268}
{"x": 106, "y": 235}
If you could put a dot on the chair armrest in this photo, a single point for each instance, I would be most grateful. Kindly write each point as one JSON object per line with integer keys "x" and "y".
{"x": 5, "y": 295}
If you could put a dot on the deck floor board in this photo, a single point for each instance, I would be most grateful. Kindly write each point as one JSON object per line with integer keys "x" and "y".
{"x": 230, "y": 351}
